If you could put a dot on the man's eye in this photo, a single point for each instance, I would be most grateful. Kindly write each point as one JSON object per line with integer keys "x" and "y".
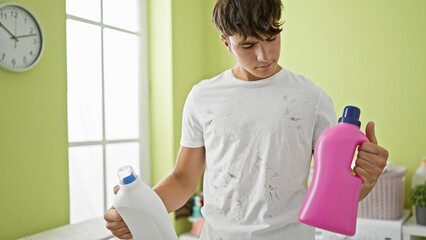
{"x": 271, "y": 39}
{"x": 247, "y": 46}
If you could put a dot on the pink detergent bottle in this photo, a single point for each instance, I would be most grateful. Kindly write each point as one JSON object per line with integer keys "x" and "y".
{"x": 332, "y": 199}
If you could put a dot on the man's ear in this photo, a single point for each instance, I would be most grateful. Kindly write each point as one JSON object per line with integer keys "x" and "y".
{"x": 226, "y": 42}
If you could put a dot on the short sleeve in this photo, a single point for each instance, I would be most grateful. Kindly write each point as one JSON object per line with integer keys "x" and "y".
{"x": 192, "y": 131}
{"x": 325, "y": 116}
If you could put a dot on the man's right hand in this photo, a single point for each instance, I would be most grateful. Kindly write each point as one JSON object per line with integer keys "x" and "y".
{"x": 115, "y": 223}
{"x": 174, "y": 190}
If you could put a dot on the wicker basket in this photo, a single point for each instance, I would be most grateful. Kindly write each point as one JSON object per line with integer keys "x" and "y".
{"x": 386, "y": 199}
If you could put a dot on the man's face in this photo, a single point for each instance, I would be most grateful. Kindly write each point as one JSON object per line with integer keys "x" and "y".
{"x": 257, "y": 59}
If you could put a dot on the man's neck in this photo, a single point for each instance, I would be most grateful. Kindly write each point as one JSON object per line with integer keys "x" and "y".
{"x": 243, "y": 74}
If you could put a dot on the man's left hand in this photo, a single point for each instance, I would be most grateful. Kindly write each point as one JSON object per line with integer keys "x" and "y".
{"x": 371, "y": 160}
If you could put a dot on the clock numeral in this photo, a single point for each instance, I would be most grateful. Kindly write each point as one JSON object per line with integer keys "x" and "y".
{"x": 3, "y": 56}
{"x": 34, "y": 41}
{"x": 24, "y": 59}
{"x": 14, "y": 14}
{"x": 3, "y": 16}
{"x": 13, "y": 62}
{"x": 25, "y": 20}
{"x": 32, "y": 30}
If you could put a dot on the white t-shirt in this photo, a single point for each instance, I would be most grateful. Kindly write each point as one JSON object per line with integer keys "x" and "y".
{"x": 259, "y": 137}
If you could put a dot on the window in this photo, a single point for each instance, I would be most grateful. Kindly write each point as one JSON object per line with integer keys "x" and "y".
{"x": 107, "y": 99}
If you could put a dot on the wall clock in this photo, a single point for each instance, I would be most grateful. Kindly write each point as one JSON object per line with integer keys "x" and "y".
{"x": 21, "y": 38}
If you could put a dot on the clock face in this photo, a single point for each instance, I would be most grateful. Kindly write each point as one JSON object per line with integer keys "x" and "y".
{"x": 21, "y": 38}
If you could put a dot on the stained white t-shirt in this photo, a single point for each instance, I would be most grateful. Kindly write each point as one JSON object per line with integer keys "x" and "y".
{"x": 259, "y": 137}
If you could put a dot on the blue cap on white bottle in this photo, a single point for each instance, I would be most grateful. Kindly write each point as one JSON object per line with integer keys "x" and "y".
{"x": 351, "y": 115}
{"x": 126, "y": 175}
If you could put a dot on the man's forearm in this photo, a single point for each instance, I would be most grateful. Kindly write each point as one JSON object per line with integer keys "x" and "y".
{"x": 174, "y": 191}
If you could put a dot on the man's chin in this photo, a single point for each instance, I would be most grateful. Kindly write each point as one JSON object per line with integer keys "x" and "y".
{"x": 265, "y": 73}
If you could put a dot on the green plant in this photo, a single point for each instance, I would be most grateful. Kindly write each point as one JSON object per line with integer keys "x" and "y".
{"x": 418, "y": 195}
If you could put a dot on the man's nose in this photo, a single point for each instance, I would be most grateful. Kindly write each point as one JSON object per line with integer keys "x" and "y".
{"x": 262, "y": 54}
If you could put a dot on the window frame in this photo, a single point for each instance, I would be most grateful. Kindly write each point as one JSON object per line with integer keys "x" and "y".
{"x": 143, "y": 98}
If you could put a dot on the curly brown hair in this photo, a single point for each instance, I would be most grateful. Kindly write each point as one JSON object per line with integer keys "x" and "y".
{"x": 248, "y": 17}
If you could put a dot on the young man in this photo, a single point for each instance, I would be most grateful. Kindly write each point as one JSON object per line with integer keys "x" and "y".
{"x": 252, "y": 131}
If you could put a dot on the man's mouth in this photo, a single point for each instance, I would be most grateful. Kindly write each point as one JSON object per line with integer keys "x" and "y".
{"x": 266, "y": 65}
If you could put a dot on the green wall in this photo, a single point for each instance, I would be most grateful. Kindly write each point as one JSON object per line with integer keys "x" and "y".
{"x": 161, "y": 88}
{"x": 33, "y": 134}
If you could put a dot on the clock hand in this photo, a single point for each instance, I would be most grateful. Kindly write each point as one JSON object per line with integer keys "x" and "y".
{"x": 28, "y": 35}
{"x": 7, "y": 30}
{"x": 15, "y": 32}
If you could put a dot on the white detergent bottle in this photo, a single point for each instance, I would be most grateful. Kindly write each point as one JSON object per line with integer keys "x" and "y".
{"x": 419, "y": 176}
{"x": 142, "y": 209}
